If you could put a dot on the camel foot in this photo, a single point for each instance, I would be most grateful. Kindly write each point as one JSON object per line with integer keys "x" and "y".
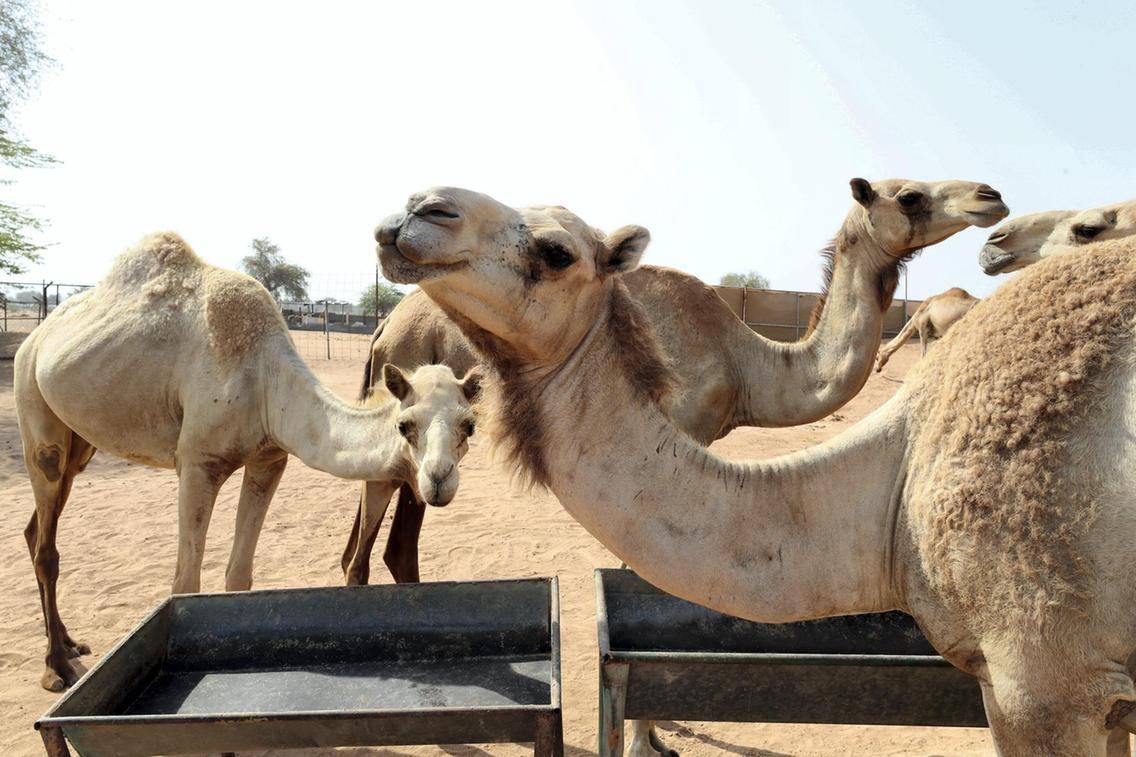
{"x": 58, "y": 677}
{"x": 645, "y": 742}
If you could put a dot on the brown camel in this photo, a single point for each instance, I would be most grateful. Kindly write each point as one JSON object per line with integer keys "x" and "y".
{"x": 992, "y": 497}
{"x": 933, "y": 318}
{"x": 728, "y": 376}
{"x": 173, "y": 363}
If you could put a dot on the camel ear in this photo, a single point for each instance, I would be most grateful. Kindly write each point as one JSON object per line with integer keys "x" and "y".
{"x": 624, "y": 248}
{"x": 396, "y": 381}
{"x": 471, "y": 384}
{"x": 862, "y": 191}
{"x": 1110, "y": 217}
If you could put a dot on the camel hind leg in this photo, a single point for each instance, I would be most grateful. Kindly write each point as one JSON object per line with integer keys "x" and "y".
{"x": 53, "y": 456}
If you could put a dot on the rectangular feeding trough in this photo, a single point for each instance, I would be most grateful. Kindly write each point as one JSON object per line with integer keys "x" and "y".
{"x": 663, "y": 658}
{"x": 430, "y": 663}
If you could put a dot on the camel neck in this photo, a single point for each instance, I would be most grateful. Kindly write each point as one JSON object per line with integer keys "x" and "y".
{"x": 307, "y": 420}
{"x": 800, "y": 382}
{"x": 799, "y": 536}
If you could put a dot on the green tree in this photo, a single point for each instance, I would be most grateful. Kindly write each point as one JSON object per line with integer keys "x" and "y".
{"x": 750, "y": 279}
{"x": 21, "y": 61}
{"x": 282, "y": 279}
{"x": 384, "y": 296}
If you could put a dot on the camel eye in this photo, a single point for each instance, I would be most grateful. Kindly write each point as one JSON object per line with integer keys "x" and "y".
{"x": 556, "y": 256}
{"x": 468, "y": 428}
{"x": 910, "y": 200}
{"x": 1082, "y": 231}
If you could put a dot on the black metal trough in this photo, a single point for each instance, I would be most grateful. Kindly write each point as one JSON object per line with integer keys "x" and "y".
{"x": 430, "y": 663}
{"x": 663, "y": 658}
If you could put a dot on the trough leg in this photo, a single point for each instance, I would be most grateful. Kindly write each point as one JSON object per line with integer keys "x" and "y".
{"x": 54, "y": 742}
{"x": 549, "y": 740}
{"x": 613, "y": 695}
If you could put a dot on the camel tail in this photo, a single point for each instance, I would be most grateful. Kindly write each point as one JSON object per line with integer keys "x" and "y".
{"x": 365, "y": 389}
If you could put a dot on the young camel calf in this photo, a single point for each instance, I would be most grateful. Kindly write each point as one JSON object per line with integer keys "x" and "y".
{"x": 174, "y": 363}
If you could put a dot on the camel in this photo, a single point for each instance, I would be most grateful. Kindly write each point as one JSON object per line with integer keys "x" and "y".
{"x": 1023, "y": 241}
{"x": 173, "y": 363}
{"x": 992, "y": 498}
{"x": 933, "y": 318}
{"x": 728, "y": 376}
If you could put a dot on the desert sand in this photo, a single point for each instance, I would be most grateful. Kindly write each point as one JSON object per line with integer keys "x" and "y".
{"x": 117, "y": 540}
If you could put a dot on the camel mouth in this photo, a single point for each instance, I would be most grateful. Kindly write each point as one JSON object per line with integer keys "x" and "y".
{"x": 401, "y": 269}
{"x": 986, "y": 218}
{"x": 994, "y": 259}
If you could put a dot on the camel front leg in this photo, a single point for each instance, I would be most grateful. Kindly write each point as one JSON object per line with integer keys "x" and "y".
{"x": 372, "y": 507}
{"x": 259, "y": 485}
{"x": 645, "y": 741}
{"x": 198, "y": 484}
{"x": 923, "y": 337}
{"x": 401, "y": 554}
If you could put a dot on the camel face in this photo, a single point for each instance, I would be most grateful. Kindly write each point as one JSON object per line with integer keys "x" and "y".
{"x": 436, "y": 420}
{"x": 1015, "y": 244}
{"x": 903, "y": 216}
{"x": 1088, "y": 226}
{"x": 533, "y": 274}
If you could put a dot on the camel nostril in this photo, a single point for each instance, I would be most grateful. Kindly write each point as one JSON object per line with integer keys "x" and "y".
{"x": 988, "y": 193}
{"x": 387, "y": 231}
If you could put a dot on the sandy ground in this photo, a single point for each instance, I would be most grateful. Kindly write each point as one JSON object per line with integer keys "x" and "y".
{"x": 117, "y": 541}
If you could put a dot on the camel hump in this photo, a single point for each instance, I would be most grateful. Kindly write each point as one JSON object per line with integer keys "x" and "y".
{"x": 154, "y": 264}
{"x": 239, "y": 312}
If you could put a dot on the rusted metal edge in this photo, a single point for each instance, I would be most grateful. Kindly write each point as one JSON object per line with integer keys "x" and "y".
{"x": 601, "y": 618}
{"x": 554, "y": 640}
{"x": 780, "y": 658}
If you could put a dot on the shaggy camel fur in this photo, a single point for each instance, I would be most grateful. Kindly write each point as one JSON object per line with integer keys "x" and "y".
{"x": 992, "y": 497}
{"x": 173, "y": 363}
{"x": 728, "y": 376}
{"x": 1025, "y": 240}
{"x": 933, "y": 318}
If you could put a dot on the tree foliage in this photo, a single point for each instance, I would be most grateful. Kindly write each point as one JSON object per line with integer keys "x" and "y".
{"x": 749, "y": 279}
{"x": 21, "y": 62}
{"x": 384, "y": 296}
{"x": 282, "y": 279}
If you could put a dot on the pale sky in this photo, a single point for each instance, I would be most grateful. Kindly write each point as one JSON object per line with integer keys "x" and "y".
{"x": 729, "y": 129}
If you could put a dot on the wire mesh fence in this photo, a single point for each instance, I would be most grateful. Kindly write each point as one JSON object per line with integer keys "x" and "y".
{"x": 24, "y": 305}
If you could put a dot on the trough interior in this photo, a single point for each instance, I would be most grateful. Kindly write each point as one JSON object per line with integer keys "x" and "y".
{"x": 357, "y": 648}
{"x": 642, "y": 618}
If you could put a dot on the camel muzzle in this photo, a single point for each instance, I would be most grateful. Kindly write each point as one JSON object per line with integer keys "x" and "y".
{"x": 993, "y": 259}
{"x": 387, "y": 231}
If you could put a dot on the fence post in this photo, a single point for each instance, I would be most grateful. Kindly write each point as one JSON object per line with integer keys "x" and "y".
{"x": 376, "y": 295}
{"x": 326, "y": 333}
{"x": 797, "y": 318}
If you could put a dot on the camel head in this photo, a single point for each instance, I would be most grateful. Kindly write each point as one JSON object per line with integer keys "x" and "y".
{"x": 1023, "y": 241}
{"x": 532, "y": 279}
{"x": 1015, "y": 244}
{"x": 436, "y": 419}
{"x": 903, "y": 216}
{"x": 1088, "y": 226}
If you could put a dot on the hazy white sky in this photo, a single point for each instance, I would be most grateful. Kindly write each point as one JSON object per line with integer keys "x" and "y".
{"x": 730, "y": 129}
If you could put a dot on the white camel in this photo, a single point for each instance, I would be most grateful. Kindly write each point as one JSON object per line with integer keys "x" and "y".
{"x": 174, "y": 363}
